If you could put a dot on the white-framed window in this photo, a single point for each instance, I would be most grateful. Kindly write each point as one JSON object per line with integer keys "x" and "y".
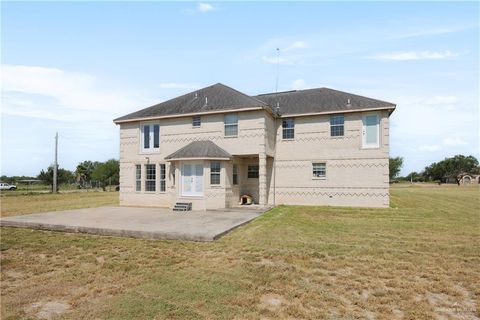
{"x": 150, "y": 137}
{"x": 150, "y": 177}
{"x": 231, "y": 124}
{"x": 196, "y": 121}
{"x": 214, "y": 172}
{"x": 337, "y": 125}
{"x": 252, "y": 172}
{"x": 163, "y": 176}
{"x": 319, "y": 169}
{"x": 235, "y": 174}
{"x": 138, "y": 178}
{"x": 288, "y": 129}
{"x": 371, "y": 131}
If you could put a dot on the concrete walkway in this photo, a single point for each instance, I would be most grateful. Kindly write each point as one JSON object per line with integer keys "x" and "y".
{"x": 151, "y": 223}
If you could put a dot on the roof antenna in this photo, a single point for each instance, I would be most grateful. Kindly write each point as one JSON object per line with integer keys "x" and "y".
{"x": 278, "y": 64}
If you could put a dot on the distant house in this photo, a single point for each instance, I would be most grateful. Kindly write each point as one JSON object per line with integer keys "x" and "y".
{"x": 462, "y": 179}
{"x": 214, "y": 145}
{"x": 466, "y": 178}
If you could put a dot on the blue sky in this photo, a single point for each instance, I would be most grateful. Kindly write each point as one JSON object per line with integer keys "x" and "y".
{"x": 73, "y": 67}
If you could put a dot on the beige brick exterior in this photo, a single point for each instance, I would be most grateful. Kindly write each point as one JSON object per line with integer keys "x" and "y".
{"x": 354, "y": 176}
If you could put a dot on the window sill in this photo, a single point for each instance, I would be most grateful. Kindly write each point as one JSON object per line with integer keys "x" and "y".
{"x": 229, "y": 137}
{"x": 216, "y": 186}
{"x": 196, "y": 127}
{"x": 319, "y": 178}
{"x": 370, "y": 148}
{"x": 293, "y": 139}
{"x": 337, "y": 137}
{"x": 150, "y": 151}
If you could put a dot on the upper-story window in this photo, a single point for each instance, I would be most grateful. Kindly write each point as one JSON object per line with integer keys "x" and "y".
{"x": 196, "y": 121}
{"x": 231, "y": 124}
{"x": 337, "y": 128}
{"x": 151, "y": 136}
{"x": 288, "y": 128}
{"x": 371, "y": 131}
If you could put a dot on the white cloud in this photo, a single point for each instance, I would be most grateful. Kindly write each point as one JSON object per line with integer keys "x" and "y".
{"x": 299, "y": 84}
{"x": 441, "y": 100}
{"x": 295, "y": 45}
{"x": 177, "y": 85}
{"x": 428, "y": 148}
{"x": 282, "y": 51}
{"x": 204, "y": 7}
{"x": 415, "y": 55}
{"x": 454, "y": 142}
{"x": 55, "y": 94}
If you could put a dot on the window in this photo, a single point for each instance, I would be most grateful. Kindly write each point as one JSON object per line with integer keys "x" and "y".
{"x": 196, "y": 121}
{"x": 214, "y": 172}
{"x": 162, "y": 178}
{"x": 151, "y": 136}
{"x": 150, "y": 175}
{"x": 138, "y": 177}
{"x": 252, "y": 171}
{"x": 231, "y": 125}
{"x": 371, "y": 131}
{"x": 319, "y": 170}
{"x": 235, "y": 174}
{"x": 337, "y": 125}
{"x": 288, "y": 129}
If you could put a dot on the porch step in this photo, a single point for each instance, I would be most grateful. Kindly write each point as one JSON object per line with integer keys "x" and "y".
{"x": 183, "y": 206}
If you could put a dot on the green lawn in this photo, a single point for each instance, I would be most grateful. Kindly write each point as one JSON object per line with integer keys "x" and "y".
{"x": 419, "y": 259}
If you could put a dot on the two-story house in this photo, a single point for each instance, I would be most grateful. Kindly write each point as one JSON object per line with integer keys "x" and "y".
{"x": 211, "y": 146}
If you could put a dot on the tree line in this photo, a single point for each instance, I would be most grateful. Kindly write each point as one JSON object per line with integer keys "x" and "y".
{"x": 88, "y": 174}
{"x": 437, "y": 171}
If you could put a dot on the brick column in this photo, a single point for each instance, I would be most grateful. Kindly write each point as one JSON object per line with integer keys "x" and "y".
{"x": 262, "y": 178}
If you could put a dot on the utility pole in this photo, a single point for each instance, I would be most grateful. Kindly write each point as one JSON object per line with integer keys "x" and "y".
{"x": 55, "y": 165}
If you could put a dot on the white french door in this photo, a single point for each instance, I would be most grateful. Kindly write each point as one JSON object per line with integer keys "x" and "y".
{"x": 192, "y": 180}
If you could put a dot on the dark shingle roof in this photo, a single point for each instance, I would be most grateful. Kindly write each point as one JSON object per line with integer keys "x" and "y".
{"x": 200, "y": 149}
{"x": 217, "y": 97}
{"x": 320, "y": 100}
{"x": 220, "y": 97}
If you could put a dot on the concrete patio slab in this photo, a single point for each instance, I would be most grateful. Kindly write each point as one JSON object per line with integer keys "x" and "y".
{"x": 139, "y": 222}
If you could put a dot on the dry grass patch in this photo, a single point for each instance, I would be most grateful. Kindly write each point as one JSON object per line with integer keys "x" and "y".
{"x": 16, "y": 204}
{"x": 417, "y": 260}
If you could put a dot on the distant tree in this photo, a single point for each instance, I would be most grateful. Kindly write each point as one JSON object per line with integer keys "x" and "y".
{"x": 63, "y": 176}
{"x": 451, "y": 167}
{"x": 395, "y": 165}
{"x": 415, "y": 177}
{"x": 83, "y": 172}
{"x": 15, "y": 179}
{"x": 107, "y": 172}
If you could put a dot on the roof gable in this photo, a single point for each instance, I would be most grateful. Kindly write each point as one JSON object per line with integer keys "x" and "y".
{"x": 204, "y": 149}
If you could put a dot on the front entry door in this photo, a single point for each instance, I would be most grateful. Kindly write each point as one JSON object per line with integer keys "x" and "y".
{"x": 192, "y": 180}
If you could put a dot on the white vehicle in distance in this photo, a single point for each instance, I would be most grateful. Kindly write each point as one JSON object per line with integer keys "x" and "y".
{"x": 7, "y": 186}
